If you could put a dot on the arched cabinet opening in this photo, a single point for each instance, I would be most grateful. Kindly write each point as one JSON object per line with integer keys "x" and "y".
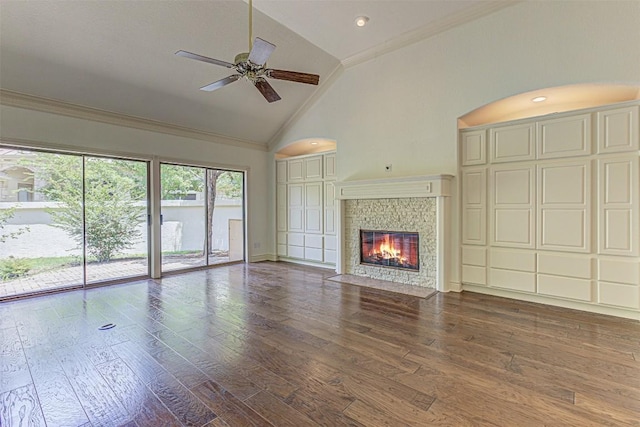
{"x": 549, "y": 198}
{"x": 306, "y": 209}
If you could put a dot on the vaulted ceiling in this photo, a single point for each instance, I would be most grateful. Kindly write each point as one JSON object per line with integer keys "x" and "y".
{"x": 118, "y": 56}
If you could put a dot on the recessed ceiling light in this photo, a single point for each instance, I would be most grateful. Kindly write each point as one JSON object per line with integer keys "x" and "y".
{"x": 539, "y": 99}
{"x": 361, "y": 21}
{"x": 314, "y": 142}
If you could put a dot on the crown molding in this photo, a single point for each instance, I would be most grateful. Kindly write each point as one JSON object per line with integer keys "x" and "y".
{"x": 31, "y": 102}
{"x": 452, "y": 21}
{"x": 322, "y": 88}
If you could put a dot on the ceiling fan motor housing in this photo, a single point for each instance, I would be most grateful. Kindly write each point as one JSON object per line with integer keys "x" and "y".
{"x": 241, "y": 57}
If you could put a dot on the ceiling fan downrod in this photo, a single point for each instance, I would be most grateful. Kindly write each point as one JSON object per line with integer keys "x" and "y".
{"x": 250, "y": 25}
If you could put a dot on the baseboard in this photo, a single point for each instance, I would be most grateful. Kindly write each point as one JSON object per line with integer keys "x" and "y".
{"x": 575, "y": 305}
{"x": 263, "y": 257}
{"x": 454, "y": 287}
{"x": 309, "y": 263}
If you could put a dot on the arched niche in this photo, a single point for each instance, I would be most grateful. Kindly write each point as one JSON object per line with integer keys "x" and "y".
{"x": 306, "y": 146}
{"x": 557, "y": 100}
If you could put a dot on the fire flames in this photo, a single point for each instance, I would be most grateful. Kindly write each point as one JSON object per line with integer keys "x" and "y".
{"x": 387, "y": 251}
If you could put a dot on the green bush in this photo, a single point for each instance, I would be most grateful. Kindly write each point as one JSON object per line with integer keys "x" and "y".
{"x": 12, "y": 268}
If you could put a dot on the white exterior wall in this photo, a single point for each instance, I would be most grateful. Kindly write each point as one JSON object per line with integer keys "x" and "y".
{"x": 183, "y": 229}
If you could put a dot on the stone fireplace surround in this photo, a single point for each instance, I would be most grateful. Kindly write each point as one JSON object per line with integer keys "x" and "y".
{"x": 401, "y": 204}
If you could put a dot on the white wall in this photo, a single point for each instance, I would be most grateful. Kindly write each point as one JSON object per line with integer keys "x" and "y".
{"x": 402, "y": 107}
{"x": 51, "y": 130}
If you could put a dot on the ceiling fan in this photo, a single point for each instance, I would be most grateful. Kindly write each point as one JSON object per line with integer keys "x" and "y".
{"x": 252, "y": 66}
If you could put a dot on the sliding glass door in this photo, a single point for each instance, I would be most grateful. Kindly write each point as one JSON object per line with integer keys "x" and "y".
{"x": 67, "y": 220}
{"x": 202, "y": 216}
{"x": 225, "y": 216}
{"x": 183, "y": 216}
{"x": 115, "y": 217}
{"x": 41, "y": 225}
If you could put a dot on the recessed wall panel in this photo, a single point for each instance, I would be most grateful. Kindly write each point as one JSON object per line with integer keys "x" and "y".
{"x": 473, "y": 148}
{"x": 564, "y": 287}
{"x": 513, "y": 143}
{"x": 564, "y": 206}
{"x": 618, "y": 185}
{"x": 474, "y": 256}
{"x": 564, "y": 137}
{"x": 619, "y": 295}
{"x": 474, "y": 206}
{"x": 294, "y": 170}
{"x": 513, "y": 187}
{"x": 619, "y": 270}
{"x": 313, "y": 168}
{"x": 514, "y": 280}
{"x": 618, "y": 207}
{"x": 513, "y": 260}
{"x": 563, "y": 229}
{"x": 618, "y": 226}
{"x": 563, "y": 184}
{"x": 473, "y": 226}
{"x": 618, "y": 130}
{"x": 564, "y": 265}
{"x": 474, "y": 274}
{"x": 513, "y": 227}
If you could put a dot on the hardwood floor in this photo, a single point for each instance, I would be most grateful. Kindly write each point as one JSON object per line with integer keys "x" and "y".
{"x": 274, "y": 344}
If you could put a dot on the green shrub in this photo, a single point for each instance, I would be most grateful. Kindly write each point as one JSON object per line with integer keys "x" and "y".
{"x": 12, "y": 268}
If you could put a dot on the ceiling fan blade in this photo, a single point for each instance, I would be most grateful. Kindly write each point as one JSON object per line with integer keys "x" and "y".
{"x": 261, "y": 51}
{"x": 266, "y": 90}
{"x": 293, "y": 76}
{"x": 220, "y": 83}
{"x": 197, "y": 57}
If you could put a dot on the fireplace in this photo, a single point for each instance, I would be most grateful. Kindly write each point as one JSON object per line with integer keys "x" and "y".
{"x": 417, "y": 204}
{"x": 390, "y": 249}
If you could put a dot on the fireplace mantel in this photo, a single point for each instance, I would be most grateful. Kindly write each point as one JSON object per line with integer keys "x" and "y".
{"x": 430, "y": 186}
{"x": 395, "y": 188}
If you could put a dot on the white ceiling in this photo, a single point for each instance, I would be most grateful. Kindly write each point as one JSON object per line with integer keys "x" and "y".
{"x": 118, "y": 56}
{"x": 329, "y": 24}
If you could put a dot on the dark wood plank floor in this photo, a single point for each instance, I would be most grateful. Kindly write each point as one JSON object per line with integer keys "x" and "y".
{"x": 277, "y": 345}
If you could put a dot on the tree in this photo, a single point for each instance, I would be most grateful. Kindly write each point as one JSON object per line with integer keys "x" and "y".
{"x": 5, "y": 216}
{"x": 109, "y": 223}
{"x": 113, "y": 189}
{"x": 178, "y": 181}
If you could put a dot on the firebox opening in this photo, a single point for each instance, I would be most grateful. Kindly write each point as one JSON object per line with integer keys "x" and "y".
{"x": 389, "y": 249}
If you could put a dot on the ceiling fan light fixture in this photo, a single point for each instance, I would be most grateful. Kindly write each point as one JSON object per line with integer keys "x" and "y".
{"x": 252, "y": 66}
{"x": 361, "y": 21}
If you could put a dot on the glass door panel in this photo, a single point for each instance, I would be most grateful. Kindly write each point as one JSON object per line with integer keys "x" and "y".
{"x": 41, "y": 229}
{"x": 225, "y": 216}
{"x": 183, "y": 216}
{"x": 116, "y": 244}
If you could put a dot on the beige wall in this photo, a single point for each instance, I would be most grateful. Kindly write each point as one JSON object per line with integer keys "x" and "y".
{"x": 402, "y": 107}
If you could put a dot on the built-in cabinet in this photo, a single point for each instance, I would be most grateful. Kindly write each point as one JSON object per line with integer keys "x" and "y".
{"x": 306, "y": 209}
{"x": 550, "y": 208}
